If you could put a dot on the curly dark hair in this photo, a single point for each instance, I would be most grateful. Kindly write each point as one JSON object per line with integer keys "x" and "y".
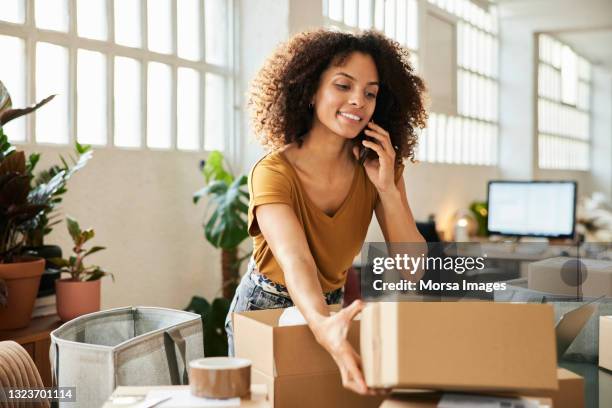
{"x": 282, "y": 90}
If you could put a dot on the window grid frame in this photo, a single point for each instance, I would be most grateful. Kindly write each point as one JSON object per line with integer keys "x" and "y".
{"x": 468, "y": 121}
{"x": 476, "y": 118}
{"x": 329, "y": 22}
{"x": 464, "y": 68}
{"x": 32, "y": 35}
{"x": 541, "y": 136}
{"x": 581, "y": 81}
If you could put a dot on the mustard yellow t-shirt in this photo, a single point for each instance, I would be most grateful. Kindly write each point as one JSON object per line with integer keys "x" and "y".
{"x": 334, "y": 241}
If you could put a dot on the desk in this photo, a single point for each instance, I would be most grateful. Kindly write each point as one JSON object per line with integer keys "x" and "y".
{"x": 515, "y": 256}
{"x": 258, "y": 397}
{"x": 36, "y": 339}
{"x": 597, "y": 383}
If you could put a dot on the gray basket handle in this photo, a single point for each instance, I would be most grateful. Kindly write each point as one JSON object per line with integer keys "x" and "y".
{"x": 173, "y": 337}
{"x": 54, "y": 360}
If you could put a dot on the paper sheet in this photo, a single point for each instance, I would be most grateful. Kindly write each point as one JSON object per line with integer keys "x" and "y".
{"x": 291, "y": 317}
{"x": 478, "y": 401}
{"x": 183, "y": 399}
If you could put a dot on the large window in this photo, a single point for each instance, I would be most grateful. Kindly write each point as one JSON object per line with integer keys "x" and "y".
{"x": 471, "y": 135}
{"x": 564, "y": 89}
{"x": 127, "y": 73}
{"x": 468, "y": 134}
{"x": 398, "y": 19}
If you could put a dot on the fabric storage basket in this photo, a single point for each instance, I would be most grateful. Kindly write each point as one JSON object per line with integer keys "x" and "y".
{"x": 125, "y": 346}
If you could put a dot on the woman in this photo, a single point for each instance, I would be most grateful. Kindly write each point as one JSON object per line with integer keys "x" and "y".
{"x": 311, "y": 199}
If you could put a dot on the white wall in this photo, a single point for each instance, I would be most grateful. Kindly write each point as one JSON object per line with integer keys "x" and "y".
{"x": 516, "y": 101}
{"x": 602, "y": 131}
{"x": 263, "y": 26}
{"x": 139, "y": 204}
{"x": 441, "y": 189}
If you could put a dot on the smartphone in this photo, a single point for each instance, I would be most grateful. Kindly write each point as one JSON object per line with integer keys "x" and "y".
{"x": 384, "y": 103}
{"x": 364, "y": 152}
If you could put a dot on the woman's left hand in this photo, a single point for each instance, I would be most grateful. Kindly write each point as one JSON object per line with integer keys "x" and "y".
{"x": 380, "y": 171}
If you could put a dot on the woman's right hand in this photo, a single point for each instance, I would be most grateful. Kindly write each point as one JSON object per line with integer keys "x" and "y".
{"x": 331, "y": 332}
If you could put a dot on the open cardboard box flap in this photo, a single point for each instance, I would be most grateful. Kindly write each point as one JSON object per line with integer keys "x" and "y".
{"x": 283, "y": 350}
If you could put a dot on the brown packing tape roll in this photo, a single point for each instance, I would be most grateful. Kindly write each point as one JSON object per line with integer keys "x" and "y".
{"x": 220, "y": 377}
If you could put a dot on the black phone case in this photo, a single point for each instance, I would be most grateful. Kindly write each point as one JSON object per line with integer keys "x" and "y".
{"x": 383, "y": 110}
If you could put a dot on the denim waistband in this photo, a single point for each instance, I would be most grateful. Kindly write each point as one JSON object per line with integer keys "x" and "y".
{"x": 270, "y": 286}
{"x": 264, "y": 282}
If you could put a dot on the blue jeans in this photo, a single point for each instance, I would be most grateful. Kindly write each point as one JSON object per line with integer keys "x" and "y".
{"x": 252, "y": 296}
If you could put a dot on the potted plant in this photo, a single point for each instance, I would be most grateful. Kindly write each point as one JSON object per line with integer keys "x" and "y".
{"x": 225, "y": 228}
{"x": 80, "y": 293}
{"x": 43, "y": 224}
{"x": 36, "y": 229}
{"x": 19, "y": 274}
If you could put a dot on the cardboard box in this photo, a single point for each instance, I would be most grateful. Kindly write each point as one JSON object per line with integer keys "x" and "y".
{"x": 431, "y": 400}
{"x": 570, "y": 393}
{"x": 560, "y": 276}
{"x": 298, "y": 371}
{"x": 605, "y": 342}
{"x": 462, "y": 346}
{"x": 605, "y": 387}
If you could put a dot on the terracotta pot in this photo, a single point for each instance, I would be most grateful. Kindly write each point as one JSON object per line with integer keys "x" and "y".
{"x": 76, "y": 298}
{"x": 22, "y": 279}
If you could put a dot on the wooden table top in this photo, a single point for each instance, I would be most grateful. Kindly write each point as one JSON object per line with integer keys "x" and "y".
{"x": 258, "y": 398}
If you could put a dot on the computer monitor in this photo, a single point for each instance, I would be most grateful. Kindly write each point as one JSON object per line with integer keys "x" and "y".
{"x": 532, "y": 208}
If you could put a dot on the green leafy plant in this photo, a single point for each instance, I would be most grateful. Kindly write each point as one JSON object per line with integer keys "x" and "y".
{"x": 481, "y": 213}
{"x": 15, "y": 210}
{"x": 38, "y": 227}
{"x": 20, "y": 204}
{"x": 225, "y": 227}
{"x": 16, "y": 207}
{"x": 43, "y": 224}
{"x": 74, "y": 264}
